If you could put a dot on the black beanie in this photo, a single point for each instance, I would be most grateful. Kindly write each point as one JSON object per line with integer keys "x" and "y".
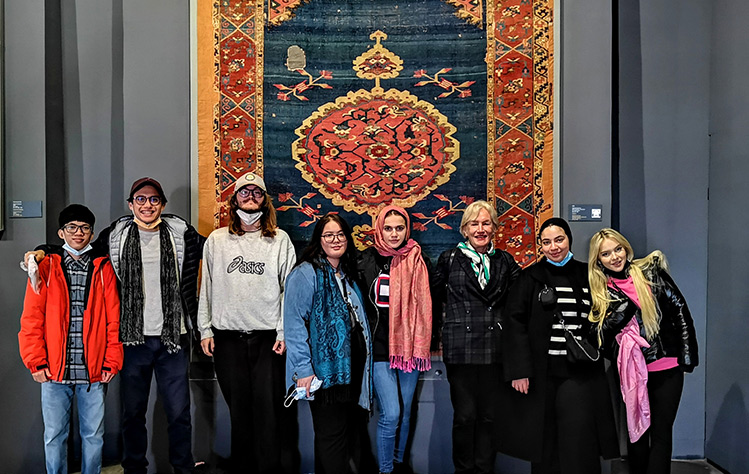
{"x": 559, "y": 222}
{"x": 76, "y": 212}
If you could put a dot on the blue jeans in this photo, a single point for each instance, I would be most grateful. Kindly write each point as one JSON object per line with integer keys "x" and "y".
{"x": 57, "y": 402}
{"x": 141, "y": 362}
{"x": 394, "y": 390}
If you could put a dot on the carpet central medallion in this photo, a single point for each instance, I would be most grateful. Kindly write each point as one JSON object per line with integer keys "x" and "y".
{"x": 371, "y": 148}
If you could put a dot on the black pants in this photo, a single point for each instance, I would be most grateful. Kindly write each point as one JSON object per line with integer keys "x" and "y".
{"x": 473, "y": 389}
{"x": 264, "y": 434}
{"x": 140, "y": 363}
{"x": 570, "y": 443}
{"x": 651, "y": 454}
{"x": 341, "y": 438}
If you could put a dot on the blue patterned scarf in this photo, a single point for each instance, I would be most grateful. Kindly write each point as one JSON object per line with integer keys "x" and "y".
{"x": 330, "y": 331}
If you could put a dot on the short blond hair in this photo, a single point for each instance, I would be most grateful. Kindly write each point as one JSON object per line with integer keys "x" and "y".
{"x": 472, "y": 212}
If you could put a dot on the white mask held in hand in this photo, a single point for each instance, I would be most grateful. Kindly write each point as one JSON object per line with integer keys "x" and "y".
{"x": 33, "y": 271}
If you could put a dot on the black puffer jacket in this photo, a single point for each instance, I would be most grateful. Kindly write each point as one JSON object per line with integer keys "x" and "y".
{"x": 676, "y": 337}
{"x": 191, "y": 245}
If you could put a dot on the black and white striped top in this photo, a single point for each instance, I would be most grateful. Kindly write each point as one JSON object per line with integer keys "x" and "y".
{"x": 574, "y": 309}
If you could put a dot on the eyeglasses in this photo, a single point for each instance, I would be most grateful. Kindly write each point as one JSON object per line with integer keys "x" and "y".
{"x": 245, "y": 193}
{"x": 154, "y": 200}
{"x": 72, "y": 228}
{"x": 330, "y": 238}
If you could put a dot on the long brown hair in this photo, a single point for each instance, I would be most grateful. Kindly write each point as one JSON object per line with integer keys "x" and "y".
{"x": 268, "y": 221}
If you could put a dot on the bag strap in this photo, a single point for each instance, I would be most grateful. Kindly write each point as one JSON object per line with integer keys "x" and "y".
{"x": 452, "y": 257}
{"x": 598, "y": 353}
{"x": 558, "y": 314}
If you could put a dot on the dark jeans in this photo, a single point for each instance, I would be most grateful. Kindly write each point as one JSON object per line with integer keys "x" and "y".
{"x": 651, "y": 454}
{"x": 341, "y": 439}
{"x": 569, "y": 441}
{"x": 473, "y": 389}
{"x": 139, "y": 365}
{"x": 264, "y": 434}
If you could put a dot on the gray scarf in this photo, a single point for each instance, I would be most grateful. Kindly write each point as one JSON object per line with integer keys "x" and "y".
{"x": 131, "y": 318}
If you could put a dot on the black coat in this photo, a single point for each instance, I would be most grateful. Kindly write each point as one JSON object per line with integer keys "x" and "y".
{"x": 525, "y": 342}
{"x": 676, "y": 337}
{"x": 472, "y": 316}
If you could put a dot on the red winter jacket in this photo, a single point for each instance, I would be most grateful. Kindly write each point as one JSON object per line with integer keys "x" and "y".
{"x": 46, "y": 319}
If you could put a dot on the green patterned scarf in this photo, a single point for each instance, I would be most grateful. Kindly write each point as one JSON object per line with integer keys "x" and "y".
{"x": 479, "y": 261}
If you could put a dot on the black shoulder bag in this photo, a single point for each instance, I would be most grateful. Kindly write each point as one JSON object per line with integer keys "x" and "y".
{"x": 578, "y": 350}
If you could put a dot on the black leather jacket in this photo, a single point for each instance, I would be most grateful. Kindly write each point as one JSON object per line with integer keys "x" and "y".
{"x": 369, "y": 265}
{"x": 676, "y": 337}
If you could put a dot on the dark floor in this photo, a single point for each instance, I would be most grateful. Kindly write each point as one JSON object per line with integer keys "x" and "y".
{"x": 677, "y": 467}
{"x": 617, "y": 467}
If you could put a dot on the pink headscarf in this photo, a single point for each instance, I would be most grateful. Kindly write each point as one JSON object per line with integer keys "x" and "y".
{"x": 410, "y": 302}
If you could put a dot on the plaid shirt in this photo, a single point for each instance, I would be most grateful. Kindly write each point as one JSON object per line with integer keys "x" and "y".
{"x": 75, "y": 366}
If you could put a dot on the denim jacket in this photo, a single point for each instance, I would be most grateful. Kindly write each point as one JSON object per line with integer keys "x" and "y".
{"x": 300, "y": 289}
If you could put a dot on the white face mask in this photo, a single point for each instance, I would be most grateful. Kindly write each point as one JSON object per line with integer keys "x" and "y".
{"x": 300, "y": 393}
{"x": 75, "y": 252}
{"x": 249, "y": 218}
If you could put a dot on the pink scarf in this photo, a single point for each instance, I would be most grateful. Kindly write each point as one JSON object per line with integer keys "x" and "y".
{"x": 410, "y": 302}
{"x": 633, "y": 379}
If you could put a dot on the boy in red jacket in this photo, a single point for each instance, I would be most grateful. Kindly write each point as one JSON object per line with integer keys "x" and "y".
{"x": 69, "y": 339}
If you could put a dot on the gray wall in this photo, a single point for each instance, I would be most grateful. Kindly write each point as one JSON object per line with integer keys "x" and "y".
{"x": 727, "y": 392}
{"x": 127, "y": 102}
{"x": 675, "y": 38}
{"x": 126, "y": 83}
{"x": 585, "y": 115}
{"x": 664, "y": 83}
{"x": 21, "y": 435}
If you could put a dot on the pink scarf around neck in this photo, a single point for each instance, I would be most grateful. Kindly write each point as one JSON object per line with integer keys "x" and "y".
{"x": 410, "y": 302}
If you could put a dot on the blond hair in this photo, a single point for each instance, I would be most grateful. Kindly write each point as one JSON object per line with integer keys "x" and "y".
{"x": 599, "y": 282}
{"x": 472, "y": 212}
